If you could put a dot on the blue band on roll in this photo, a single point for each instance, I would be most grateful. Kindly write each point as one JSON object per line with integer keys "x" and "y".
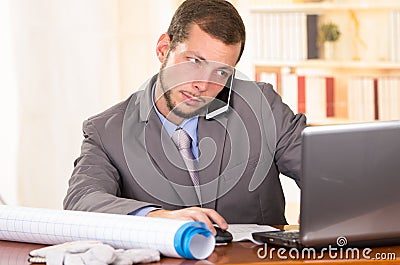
{"x": 184, "y": 236}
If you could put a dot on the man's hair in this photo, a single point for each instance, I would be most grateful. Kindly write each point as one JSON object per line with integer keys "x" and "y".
{"x": 218, "y": 18}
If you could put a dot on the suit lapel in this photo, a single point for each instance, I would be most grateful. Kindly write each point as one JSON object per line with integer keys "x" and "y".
{"x": 168, "y": 159}
{"x": 211, "y": 137}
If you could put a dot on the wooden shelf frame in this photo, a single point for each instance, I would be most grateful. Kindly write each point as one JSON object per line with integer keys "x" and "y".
{"x": 326, "y": 68}
{"x": 321, "y": 7}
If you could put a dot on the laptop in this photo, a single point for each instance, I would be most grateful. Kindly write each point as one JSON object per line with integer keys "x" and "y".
{"x": 350, "y": 192}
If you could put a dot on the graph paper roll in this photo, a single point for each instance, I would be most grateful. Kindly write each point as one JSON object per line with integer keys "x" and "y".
{"x": 173, "y": 238}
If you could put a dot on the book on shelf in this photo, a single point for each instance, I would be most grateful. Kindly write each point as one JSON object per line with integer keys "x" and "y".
{"x": 312, "y": 37}
{"x": 330, "y": 96}
{"x": 389, "y": 98}
{"x": 273, "y": 33}
{"x": 258, "y": 41}
{"x": 367, "y": 98}
{"x": 361, "y": 99}
{"x": 395, "y": 98}
{"x": 301, "y": 94}
{"x": 271, "y": 78}
{"x": 384, "y": 98}
{"x": 394, "y": 35}
{"x": 288, "y": 36}
{"x": 286, "y": 29}
{"x": 315, "y": 97}
{"x": 289, "y": 90}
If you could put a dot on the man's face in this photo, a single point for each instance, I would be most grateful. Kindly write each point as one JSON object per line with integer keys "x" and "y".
{"x": 195, "y": 72}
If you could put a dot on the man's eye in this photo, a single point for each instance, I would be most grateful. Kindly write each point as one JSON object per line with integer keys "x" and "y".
{"x": 194, "y": 60}
{"x": 222, "y": 73}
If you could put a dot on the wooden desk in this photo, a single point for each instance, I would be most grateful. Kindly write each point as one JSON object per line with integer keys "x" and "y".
{"x": 14, "y": 253}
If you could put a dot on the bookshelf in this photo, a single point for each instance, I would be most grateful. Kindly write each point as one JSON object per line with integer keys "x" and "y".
{"x": 362, "y": 82}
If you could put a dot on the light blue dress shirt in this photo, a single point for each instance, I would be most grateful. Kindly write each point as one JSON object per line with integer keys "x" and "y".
{"x": 189, "y": 125}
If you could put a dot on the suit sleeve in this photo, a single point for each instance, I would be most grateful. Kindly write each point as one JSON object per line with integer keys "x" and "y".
{"x": 288, "y": 135}
{"x": 95, "y": 181}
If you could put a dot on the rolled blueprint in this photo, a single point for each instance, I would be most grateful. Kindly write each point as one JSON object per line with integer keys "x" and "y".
{"x": 173, "y": 238}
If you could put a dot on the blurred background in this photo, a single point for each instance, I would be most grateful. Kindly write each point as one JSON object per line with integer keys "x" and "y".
{"x": 60, "y": 63}
{"x": 64, "y": 61}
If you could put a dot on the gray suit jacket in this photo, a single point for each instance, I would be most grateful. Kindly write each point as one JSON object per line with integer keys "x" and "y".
{"x": 128, "y": 161}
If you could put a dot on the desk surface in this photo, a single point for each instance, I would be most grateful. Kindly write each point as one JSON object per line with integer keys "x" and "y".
{"x": 15, "y": 253}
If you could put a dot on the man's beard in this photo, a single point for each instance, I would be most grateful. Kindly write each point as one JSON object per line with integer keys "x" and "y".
{"x": 171, "y": 106}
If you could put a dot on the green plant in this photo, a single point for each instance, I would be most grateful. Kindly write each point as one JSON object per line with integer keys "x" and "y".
{"x": 328, "y": 32}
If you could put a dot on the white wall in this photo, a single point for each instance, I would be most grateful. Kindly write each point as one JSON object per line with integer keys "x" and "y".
{"x": 67, "y": 59}
{"x": 72, "y": 59}
{"x": 141, "y": 24}
{"x": 9, "y": 109}
{"x": 292, "y": 196}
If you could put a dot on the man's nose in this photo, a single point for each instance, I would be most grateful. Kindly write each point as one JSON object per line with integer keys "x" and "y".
{"x": 202, "y": 80}
{"x": 200, "y": 86}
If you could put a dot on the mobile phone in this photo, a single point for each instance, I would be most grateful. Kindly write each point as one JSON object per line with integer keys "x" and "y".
{"x": 221, "y": 102}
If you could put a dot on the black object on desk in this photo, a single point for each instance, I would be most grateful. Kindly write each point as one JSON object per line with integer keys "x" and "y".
{"x": 223, "y": 236}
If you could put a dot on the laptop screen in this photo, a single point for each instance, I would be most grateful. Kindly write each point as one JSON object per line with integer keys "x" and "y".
{"x": 350, "y": 183}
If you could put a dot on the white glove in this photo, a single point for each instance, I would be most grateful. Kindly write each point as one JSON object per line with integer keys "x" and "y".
{"x": 76, "y": 252}
{"x": 131, "y": 256}
{"x": 92, "y": 253}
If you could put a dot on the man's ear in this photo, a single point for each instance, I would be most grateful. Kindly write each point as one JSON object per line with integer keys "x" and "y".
{"x": 162, "y": 47}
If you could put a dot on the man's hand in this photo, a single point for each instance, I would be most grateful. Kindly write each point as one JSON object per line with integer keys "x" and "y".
{"x": 204, "y": 215}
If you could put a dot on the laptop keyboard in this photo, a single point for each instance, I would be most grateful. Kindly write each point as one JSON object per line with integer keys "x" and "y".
{"x": 280, "y": 238}
{"x": 288, "y": 235}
